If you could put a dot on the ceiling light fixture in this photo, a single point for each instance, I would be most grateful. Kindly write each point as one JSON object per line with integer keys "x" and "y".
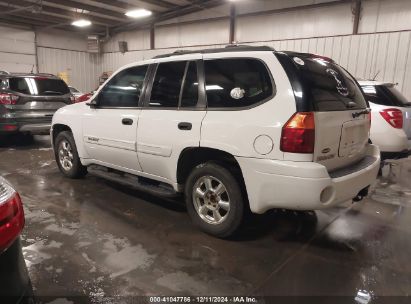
{"x": 138, "y": 13}
{"x": 81, "y": 23}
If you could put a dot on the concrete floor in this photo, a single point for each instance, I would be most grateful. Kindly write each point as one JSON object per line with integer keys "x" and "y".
{"x": 97, "y": 239}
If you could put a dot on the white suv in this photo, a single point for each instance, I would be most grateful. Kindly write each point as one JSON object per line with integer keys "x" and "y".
{"x": 230, "y": 128}
{"x": 391, "y": 118}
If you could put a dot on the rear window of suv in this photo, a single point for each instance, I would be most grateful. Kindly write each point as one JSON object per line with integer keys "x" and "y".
{"x": 239, "y": 82}
{"x": 323, "y": 84}
{"x": 42, "y": 86}
{"x": 386, "y": 95}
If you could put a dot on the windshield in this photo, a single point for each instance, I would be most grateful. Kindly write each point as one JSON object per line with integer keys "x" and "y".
{"x": 320, "y": 84}
{"x": 329, "y": 87}
{"x": 38, "y": 86}
{"x": 386, "y": 95}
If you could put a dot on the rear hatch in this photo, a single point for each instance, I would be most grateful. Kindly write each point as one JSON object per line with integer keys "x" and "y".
{"x": 388, "y": 95}
{"x": 342, "y": 122}
{"x": 37, "y": 98}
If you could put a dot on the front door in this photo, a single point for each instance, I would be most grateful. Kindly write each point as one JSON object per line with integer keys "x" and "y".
{"x": 110, "y": 129}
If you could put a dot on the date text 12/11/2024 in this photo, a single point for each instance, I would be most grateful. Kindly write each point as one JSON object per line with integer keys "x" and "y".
{"x": 203, "y": 299}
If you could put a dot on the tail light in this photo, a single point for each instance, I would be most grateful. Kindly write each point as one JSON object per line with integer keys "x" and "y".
{"x": 11, "y": 215}
{"x": 394, "y": 117}
{"x": 8, "y": 99}
{"x": 298, "y": 134}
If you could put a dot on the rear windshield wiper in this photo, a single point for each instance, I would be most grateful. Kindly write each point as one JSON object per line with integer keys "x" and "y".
{"x": 358, "y": 114}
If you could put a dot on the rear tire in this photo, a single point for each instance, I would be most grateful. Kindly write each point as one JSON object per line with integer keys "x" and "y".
{"x": 214, "y": 200}
{"x": 67, "y": 157}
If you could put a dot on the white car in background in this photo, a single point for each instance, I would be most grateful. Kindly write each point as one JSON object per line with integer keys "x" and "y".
{"x": 391, "y": 118}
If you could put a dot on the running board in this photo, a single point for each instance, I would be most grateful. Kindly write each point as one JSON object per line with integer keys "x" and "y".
{"x": 133, "y": 181}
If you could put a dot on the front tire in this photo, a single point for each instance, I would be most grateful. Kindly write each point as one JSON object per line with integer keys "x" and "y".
{"x": 67, "y": 157}
{"x": 214, "y": 200}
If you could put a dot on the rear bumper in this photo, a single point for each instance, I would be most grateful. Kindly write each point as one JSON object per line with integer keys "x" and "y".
{"x": 29, "y": 127}
{"x": 391, "y": 140}
{"x": 305, "y": 185}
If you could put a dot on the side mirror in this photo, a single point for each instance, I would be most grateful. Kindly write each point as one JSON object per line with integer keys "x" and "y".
{"x": 92, "y": 104}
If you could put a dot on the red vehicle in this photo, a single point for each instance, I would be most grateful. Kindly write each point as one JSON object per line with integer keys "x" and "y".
{"x": 15, "y": 286}
{"x": 84, "y": 97}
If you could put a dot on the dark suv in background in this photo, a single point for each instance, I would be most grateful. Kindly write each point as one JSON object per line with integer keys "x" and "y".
{"x": 29, "y": 101}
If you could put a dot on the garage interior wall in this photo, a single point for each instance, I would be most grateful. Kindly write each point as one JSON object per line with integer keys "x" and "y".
{"x": 57, "y": 52}
{"x": 63, "y": 52}
{"x": 382, "y": 46}
{"x": 17, "y": 49}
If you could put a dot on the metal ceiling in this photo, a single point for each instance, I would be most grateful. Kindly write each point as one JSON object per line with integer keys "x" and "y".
{"x": 104, "y": 14}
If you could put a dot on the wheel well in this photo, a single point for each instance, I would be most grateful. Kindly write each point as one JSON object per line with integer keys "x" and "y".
{"x": 58, "y": 128}
{"x": 192, "y": 157}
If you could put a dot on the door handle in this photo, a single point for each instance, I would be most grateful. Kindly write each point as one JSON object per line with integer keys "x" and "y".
{"x": 186, "y": 126}
{"x": 127, "y": 121}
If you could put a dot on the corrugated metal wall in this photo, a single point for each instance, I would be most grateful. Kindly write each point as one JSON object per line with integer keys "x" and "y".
{"x": 57, "y": 52}
{"x": 365, "y": 56}
{"x": 63, "y": 52}
{"x": 17, "y": 50}
{"x": 81, "y": 67}
{"x": 387, "y": 53}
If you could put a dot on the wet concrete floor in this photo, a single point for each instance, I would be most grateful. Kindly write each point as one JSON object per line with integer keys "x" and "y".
{"x": 96, "y": 239}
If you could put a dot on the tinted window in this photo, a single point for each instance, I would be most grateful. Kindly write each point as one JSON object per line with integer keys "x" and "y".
{"x": 236, "y": 82}
{"x": 328, "y": 86}
{"x": 167, "y": 85}
{"x": 38, "y": 86}
{"x": 189, "y": 97}
{"x": 385, "y": 95}
{"x": 124, "y": 89}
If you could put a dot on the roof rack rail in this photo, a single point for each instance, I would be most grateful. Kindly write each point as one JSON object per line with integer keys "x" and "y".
{"x": 237, "y": 45}
{"x": 226, "y": 49}
{"x": 46, "y": 74}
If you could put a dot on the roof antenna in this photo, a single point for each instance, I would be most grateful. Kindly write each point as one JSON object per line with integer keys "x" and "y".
{"x": 32, "y": 69}
{"x": 376, "y": 75}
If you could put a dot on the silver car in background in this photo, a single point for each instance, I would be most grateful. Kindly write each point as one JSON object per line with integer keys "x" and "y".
{"x": 29, "y": 101}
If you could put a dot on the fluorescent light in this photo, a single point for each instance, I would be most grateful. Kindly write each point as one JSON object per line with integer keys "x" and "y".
{"x": 139, "y": 13}
{"x": 214, "y": 88}
{"x": 81, "y": 23}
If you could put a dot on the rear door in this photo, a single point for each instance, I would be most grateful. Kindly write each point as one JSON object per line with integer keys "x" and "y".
{"x": 342, "y": 122}
{"x": 171, "y": 118}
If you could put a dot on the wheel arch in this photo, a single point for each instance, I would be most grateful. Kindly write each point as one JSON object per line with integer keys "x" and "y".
{"x": 57, "y": 129}
{"x": 191, "y": 157}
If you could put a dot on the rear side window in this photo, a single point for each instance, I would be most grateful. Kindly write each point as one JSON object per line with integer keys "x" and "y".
{"x": 167, "y": 84}
{"x": 385, "y": 95}
{"x": 232, "y": 83}
{"x": 124, "y": 89}
{"x": 328, "y": 86}
{"x": 38, "y": 86}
